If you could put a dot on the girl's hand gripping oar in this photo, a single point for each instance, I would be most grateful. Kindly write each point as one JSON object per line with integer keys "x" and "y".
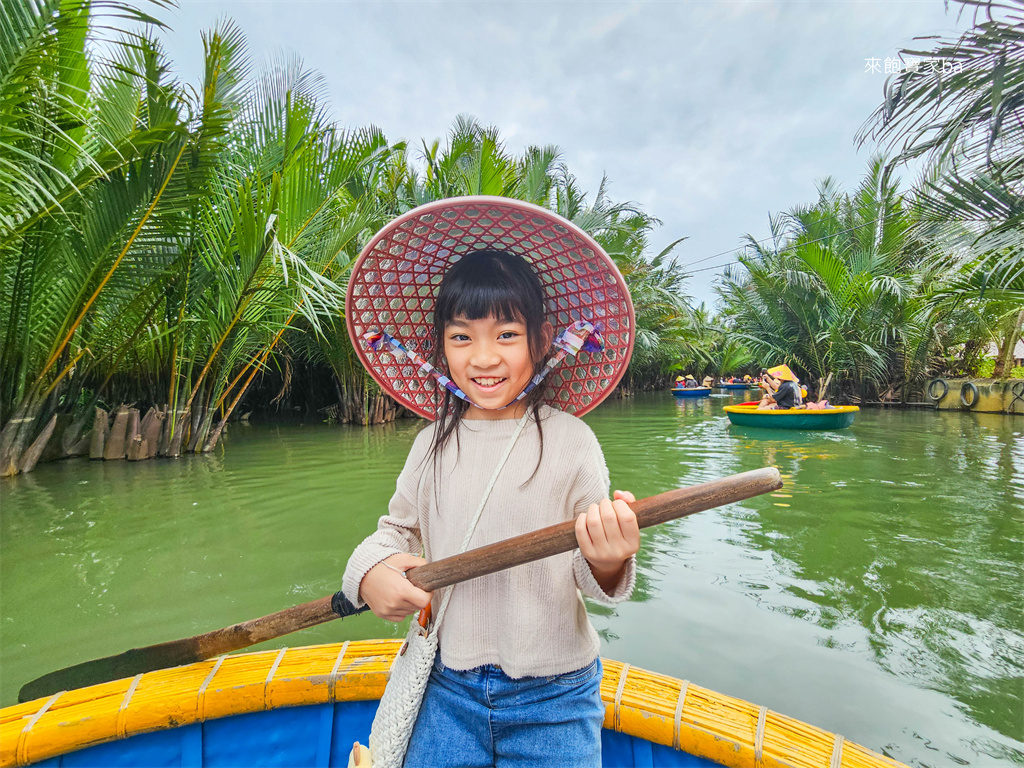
{"x": 441, "y": 573}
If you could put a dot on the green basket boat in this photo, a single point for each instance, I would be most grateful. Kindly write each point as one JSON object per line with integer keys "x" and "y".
{"x": 838, "y": 417}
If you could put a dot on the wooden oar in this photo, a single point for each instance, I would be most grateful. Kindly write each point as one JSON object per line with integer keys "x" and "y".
{"x": 441, "y": 573}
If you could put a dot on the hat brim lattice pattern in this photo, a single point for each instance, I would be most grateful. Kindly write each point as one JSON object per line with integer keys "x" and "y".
{"x": 396, "y": 278}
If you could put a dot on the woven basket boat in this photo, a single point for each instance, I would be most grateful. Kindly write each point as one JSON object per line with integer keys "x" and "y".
{"x": 691, "y": 391}
{"x": 306, "y": 706}
{"x": 748, "y": 415}
{"x": 737, "y": 385}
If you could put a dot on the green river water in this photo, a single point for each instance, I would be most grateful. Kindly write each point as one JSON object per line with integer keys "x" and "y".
{"x": 880, "y": 596}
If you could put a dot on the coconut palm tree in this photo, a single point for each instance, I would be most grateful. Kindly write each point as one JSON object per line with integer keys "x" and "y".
{"x": 278, "y": 237}
{"x": 961, "y": 106}
{"x": 93, "y": 145}
{"x": 839, "y": 291}
{"x": 192, "y": 226}
{"x": 165, "y": 244}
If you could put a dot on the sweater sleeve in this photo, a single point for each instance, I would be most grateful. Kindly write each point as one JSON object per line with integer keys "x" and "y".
{"x": 590, "y": 487}
{"x": 397, "y": 531}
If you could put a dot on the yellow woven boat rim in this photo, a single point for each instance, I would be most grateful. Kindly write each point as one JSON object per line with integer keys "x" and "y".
{"x": 658, "y": 708}
{"x": 791, "y": 411}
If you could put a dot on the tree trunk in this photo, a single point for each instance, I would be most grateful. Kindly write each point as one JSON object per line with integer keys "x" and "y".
{"x": 132, "y": 431}
{"x": 31, "y": 456}
{"x": 1004, "y": 359}
{"x": 81, "y": 448}
{"x": 55, "y": 448}
{"x": 211, "y": 441}
{"x": 165, "y": 433}
{"x": 204, "y": 431}
{"x": 99, "y": 434}
{"x": 115, "y": 447}
{"x": 15, "y": 435}
{"x": 179, "y": 424}
{"x": 138, "y": 448}
{"x": 74, "y": 441}
{"x": 133, "y": 436}
{"x": 198, "y": 422}
{"x": 149, "y": 430}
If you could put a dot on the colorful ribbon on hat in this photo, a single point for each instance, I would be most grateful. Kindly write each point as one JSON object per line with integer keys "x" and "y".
{"x": 580, "y": 335}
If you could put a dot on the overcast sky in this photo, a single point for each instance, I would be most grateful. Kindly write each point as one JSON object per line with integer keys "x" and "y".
{"x": 709, "y": 115}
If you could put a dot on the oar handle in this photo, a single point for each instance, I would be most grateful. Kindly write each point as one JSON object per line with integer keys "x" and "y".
{"x": 451, "y": 570}
{"x": 495, "y": 557}
{"x": 559, "y": 538}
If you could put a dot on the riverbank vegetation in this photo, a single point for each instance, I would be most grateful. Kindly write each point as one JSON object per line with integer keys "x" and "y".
{"x": 180, "y": 250}
{"x": 182, "y": 247}
{"x": 881, "y": 288}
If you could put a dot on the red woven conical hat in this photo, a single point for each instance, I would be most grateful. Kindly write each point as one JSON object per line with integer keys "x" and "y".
{"x": 396, "y": 278}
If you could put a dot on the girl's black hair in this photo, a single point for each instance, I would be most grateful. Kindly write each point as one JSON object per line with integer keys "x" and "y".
{"x": 489, "y": 283}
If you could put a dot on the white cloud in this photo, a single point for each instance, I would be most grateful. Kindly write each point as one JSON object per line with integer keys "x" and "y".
{"x": 709, "y": 115}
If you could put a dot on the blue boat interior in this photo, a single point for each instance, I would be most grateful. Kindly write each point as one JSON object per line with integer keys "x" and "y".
{"x": 318, "y": 735}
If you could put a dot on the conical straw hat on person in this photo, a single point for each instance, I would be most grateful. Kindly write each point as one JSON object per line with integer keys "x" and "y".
{"x": 783, "y": 372}
{"x": 394, "y": 283}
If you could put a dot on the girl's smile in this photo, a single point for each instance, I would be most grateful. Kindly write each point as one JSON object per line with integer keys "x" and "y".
{"x": 489, "y": 359}
{"x": 489, "y": 383}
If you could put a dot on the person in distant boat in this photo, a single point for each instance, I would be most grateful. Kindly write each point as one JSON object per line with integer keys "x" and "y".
{"x": 708, "y": 381}
{"x": 783, "y": 389}
{"x": 748, "y": 379}
{"x": 817, "y": 404}
{"x": 680, "y": 382}
{"x": 690, "y": 382}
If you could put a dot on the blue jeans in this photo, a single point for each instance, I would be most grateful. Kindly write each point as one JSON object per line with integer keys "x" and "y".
{"x": 482, "y": 717}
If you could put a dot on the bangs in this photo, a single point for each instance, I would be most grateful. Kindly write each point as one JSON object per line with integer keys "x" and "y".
{"x": 494, "y": 299}
{"x": 490, "y": 283}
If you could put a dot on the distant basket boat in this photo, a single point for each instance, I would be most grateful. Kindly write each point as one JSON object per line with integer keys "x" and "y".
{"x": 748, "y": 415}
{"x": 306, "y": 706}
{"x": 738, "y": 385}
{"x": 691, "y": 391}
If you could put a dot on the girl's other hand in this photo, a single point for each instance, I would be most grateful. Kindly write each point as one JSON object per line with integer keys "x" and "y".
{"x": 608, "y": 536}
{"x": 388, "y": 593}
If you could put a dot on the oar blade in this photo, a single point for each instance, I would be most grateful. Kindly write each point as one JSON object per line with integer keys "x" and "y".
{"x": 190, "y": 649}
{"x": 127, "y": 664}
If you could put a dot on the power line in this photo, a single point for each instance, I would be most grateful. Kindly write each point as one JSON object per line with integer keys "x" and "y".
{"x": 724, "y": 253}
{"x": 807, "y": 242}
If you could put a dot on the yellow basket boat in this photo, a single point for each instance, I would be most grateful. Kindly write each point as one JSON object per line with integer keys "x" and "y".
{"x": 306, "y": 706}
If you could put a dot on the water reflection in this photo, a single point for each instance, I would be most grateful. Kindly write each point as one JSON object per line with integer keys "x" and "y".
{"x": 899, "y": 539}
{"x": 878, "y": 594}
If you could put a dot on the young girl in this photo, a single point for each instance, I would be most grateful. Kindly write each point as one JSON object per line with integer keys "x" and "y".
{"x": 517, "y": 677}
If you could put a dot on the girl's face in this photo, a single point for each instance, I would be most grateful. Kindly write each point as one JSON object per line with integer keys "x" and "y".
{"x": 489, "y": 359}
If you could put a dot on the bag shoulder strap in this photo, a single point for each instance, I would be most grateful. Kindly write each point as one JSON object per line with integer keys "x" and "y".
{"x": 479, "y": 512}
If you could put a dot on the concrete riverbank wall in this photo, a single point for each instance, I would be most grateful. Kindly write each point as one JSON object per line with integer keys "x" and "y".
{"x": 981, "y": 395}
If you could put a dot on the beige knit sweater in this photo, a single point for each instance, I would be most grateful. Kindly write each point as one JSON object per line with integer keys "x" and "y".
{"x": 529, "y": 620}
